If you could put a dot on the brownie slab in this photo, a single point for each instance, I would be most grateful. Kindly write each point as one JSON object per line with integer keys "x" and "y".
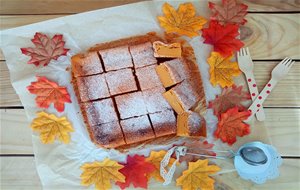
{"x": 108, "y": 135}
{"x": 137, "y": 129}
{"x": 148, "y": 77}
{"x": 120, "y": 81}
{"x": 155, "y": 102}
{"x": 99, "y": 112}
{"x": 116, "y": 58}
{"x": 164, "y": 123}
{"x": 92, "y": 87}
{"x": 142, "y": 55}
{"x": 86, "y": 64}
{"x": 131, "y": 105}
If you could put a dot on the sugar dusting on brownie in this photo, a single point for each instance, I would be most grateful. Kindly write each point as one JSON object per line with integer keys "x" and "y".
{"x": 142, "y": 55}
{"x": 88, "y": 64}
{"x": 148, "y": 77}
{"x": 164, "y": 123}
{"x": 195, "y": 123}
{"x": 155, "y": 102}
{"x": 186, "y": 94}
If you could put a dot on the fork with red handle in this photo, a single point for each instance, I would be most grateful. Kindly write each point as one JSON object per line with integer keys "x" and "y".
{"x": 278, "y": 73}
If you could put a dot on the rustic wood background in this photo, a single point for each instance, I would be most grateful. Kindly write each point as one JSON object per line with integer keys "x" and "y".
{"x": 272, "y": 33}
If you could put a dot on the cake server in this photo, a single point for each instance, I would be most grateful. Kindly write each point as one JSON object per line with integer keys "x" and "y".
{"x": 278, "y": 73}
{"x": 246, "y": 66}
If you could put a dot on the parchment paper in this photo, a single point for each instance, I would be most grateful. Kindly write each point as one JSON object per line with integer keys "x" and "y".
{"x": 58, "y": 165}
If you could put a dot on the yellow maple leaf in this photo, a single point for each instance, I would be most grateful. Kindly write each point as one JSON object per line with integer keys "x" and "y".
{"x": 222, "y": 70}
{"x": 155, "y": 158}
{"x": 51, "y": 127}
{"x": 101, "y": 174}
{"x": 197, "y": 176}
{"x": 183, "y": 21}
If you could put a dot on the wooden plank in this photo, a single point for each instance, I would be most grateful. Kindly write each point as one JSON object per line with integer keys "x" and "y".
{"x": 283, "y": 126}
{"x": 20, "y": 173}
{"x": 76, "y": 6}
{"x": 8, "y": 96}
{"x": 269, "y": 36}
{"x": 15, "y": 132}
{"x": 56, "y": 6}
{"x": 286, "y": 93}
{"x": 272, "y": 36}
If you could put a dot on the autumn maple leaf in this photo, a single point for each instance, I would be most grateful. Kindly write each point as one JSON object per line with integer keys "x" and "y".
{"x": 183, "y": 21}
{"x": 229, "y": 98}
{"x": 45, "y": 49}
{"x": 101, "y": 174}
{"x": 222, "y": 70}
{"x": 223, "y": 38}
{"x": 230, "y": 12}
{"x": 155, "y": 158}
{"x": 49, "y": 92}
{"x": 197, "y": 147}
{"x": 52, "y": 127}
{"x": 197, "y": 176}
{"x": 231, "y": 125}
{"x": 136, "y": 170}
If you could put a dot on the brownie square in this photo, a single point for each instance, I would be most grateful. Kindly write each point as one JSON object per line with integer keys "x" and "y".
{"x": 142, "y": 55}
{"x": 108, "y": 135}
{"x": 172, "y": 72}
{"x": 148, "y": 77}
{"x": 131, "y": 105}
{"x": 137, "y": 129}
{"x": 86, "y": 64}
{"x": 191, "y": 124}
{"x": 155, "y": 102}
{"x": 92, "y": 87}
{"x": 99, "y": 112}
{"x": 164, "y": 123}
{"x": 182, "y": 97}
{"x": 116, "y": 58}
{"x": 120, "y": 81}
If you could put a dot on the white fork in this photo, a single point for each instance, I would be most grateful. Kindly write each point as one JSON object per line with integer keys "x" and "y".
{"x": 279, "y": 72}
{"x": 246, "y": 66}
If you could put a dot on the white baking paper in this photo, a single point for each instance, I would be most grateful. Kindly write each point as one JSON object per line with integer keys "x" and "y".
{"x": 58, "y": 165}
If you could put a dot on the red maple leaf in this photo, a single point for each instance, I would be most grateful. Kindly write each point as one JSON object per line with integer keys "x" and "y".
{"x": 223, "y": 38}
{"x": 135, "y": 171}
{"x": 49, "y": 92}
{"x": 230, "y": 12}
{"x": 231, "y": 125}
{"x": 197, "y": 147}
{"x": 229, "y": 98}
{"x": 45, "y": 49}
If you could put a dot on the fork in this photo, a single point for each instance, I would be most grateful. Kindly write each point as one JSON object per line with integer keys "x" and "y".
{"x": 278, "y": 73}
{"x": 246, "y": 66}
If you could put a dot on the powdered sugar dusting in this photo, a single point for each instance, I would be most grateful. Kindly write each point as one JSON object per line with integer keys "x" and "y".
{"x": 195, "y": 123}
{"x": 164, "y": 123}
{"x": 155, "y": 102}
{"x": 177, "y": 69}
{"x": 142, "y": 55}
{"x": 92, "y": 87}
{"x": 186, "y": 94}
{"x": 100, "y": 112}
{"x": 130, "y": 105}
{"x": 120, "y": 81}
{"x": 109, "y": 134}
{"x": 148, "y": 77}
{"x": 88, "y": 65}
{"x": 137, "y": 129}
{"x": 116, "y": 58}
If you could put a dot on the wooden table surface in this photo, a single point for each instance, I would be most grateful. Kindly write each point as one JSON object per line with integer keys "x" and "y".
{"x": 272, "y": 33}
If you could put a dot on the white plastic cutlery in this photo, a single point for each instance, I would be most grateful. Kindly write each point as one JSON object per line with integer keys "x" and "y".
{"x": 279, "y": 72}
{"x": 246, "y": 66}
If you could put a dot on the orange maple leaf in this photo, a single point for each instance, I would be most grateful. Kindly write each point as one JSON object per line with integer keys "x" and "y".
{"x": 222, "y": 70}
{"x": 197, "y": 176}
{"x": 231, "y": 125}
{"x": 49, "y": 92}
{"x": 183, "y": 21}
